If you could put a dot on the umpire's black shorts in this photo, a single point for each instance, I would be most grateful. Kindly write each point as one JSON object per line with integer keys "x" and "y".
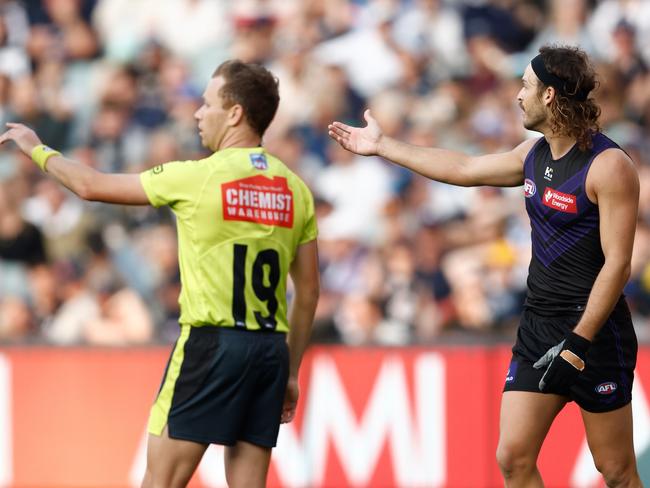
{"x": 223, "y": 385}
{"x": 606, "y": 382}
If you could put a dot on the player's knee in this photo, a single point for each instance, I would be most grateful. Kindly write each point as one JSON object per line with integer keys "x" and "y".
{"x": 165, "y": 479}
{"x": 617, "y": 472}
{"x": 251, "y": 479}
{"x": 146, "y": 481}
{"x": 515, "y": 459}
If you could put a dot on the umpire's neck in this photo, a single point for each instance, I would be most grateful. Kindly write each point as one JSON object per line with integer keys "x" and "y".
{"x": 239, "y": 135}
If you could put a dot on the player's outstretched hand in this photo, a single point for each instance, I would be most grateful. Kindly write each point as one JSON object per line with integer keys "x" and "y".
{"x": 24, "y": 137}
{"x": 359, "y": 140}
{"x": 290, "y": 401}
{"x": 563, "y": 363}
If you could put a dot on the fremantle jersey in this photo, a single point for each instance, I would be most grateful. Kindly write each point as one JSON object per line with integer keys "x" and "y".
{"x": 567, "y": 255}
{"x": 240, "y": 214}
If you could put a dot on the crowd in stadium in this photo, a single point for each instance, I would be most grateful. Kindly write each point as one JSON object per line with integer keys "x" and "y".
{"x": 404, "y": 260}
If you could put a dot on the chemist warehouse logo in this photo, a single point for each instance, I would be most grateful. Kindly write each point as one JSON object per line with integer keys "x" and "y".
{"x": 258, "y": 199}
{"x": 557, "y": 200}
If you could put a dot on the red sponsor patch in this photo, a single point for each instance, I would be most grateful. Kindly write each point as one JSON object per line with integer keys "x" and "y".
{"x": 258, "y": 199}
{"x": 563, "y": 202}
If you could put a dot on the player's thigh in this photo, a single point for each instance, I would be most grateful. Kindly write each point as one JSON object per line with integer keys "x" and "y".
{"x": 609, "y": 435}
{"x": 262, "y": 420}
{"x": 171, "y": 462}
{"x": 525, "y": 420}
{"x": 246, "y": 465}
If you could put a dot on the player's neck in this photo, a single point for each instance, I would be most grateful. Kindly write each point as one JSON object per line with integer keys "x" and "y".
{"x": 239, "y": 138}
{"x": 559, "y": 144}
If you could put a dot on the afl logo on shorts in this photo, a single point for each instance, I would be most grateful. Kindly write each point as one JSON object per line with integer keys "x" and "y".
{"x": 606, "y": 388}
{"x": 529, "y": 188}
{"x": 512, "y": 372}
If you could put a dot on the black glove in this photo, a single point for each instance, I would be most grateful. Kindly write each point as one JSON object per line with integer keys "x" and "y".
{"x": 560, "y": 373}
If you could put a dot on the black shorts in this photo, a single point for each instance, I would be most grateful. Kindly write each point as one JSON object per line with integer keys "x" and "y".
{"x": 606, "y": 382}
{"x": 223, "y": 385}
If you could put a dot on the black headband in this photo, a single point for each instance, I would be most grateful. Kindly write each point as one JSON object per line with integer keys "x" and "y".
{"x": 549, "y": 79}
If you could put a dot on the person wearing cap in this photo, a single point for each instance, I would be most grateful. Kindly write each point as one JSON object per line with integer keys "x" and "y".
{"x": 575, "y": 340}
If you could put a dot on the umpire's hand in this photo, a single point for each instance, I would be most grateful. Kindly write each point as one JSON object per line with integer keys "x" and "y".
{"x": 290, "y": 401}
{"x": 563, "y": 363}
{"x": 24, "y": 137}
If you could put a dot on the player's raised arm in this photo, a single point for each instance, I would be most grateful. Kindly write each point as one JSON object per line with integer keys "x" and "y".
{"x": 454, "y": 167}
{"x": 81, "y": 179}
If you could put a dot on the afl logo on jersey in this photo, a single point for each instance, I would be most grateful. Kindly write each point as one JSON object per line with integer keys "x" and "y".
{"x": 606, "y": 388}
{"x": 259, "y": 161}
{"x": 529, "y": 188}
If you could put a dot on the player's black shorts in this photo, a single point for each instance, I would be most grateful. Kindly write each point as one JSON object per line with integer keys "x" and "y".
{"x": 223, "y": 385}
{"x": 606, "y": 382}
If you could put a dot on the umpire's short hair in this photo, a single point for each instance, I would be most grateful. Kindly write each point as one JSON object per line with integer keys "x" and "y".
{"x": 254, "y": 88}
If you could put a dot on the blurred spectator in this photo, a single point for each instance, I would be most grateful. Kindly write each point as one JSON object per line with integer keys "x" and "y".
{"x": 14, "y": 62}
{"x": 433, "y": 33}
{"x": 61, "y": 219}
{"x": 356, "y": 209}
{"x": 608, "y": 14}
{"x": 566, "y": 25}
{"x": 403, "y": 259}
{"x": 64, "y": 33}
{"x": 436, "y": 309}
{"x": 27, "y": 107}
{"x": 193, "y": 29}
{"x": 122, "y": 319}
{"x": 627, "y": 58}
{"x": 16, "y": 321}
{"x": 361, "y": 323}
{"x": 369, "y": 55}
{"x": 20, "y": 241}
{"x": 254, "y": 28}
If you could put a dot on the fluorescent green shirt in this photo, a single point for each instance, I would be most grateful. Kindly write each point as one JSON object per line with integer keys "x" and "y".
{"x": 241, "y": 214}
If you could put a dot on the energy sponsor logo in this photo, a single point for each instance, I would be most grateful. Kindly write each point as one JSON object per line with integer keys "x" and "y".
{"x": 529, "y": 188}
{"x": 606, "y": 388}
{"x": 563, "y": 202}
{"x": 258, "y": 199}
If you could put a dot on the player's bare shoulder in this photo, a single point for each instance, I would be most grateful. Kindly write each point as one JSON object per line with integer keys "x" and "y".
{"x": 525, "y": 147}
{"x": 612, "y": 171}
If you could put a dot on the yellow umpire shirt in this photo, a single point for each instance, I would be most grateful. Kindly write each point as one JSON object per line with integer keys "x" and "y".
{"x": 241, "y": 214}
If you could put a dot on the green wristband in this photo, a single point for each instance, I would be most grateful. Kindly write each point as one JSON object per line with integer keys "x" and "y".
{"x": 41, "y": 153}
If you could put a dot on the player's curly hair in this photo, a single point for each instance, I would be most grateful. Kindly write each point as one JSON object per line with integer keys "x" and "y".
{"x": 254, "y": 88}
{"x": 569, "y": 115}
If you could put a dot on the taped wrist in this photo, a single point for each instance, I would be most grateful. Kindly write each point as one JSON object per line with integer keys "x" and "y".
{"x": 577, "y": 344}
{"x": 41, "y": 153}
